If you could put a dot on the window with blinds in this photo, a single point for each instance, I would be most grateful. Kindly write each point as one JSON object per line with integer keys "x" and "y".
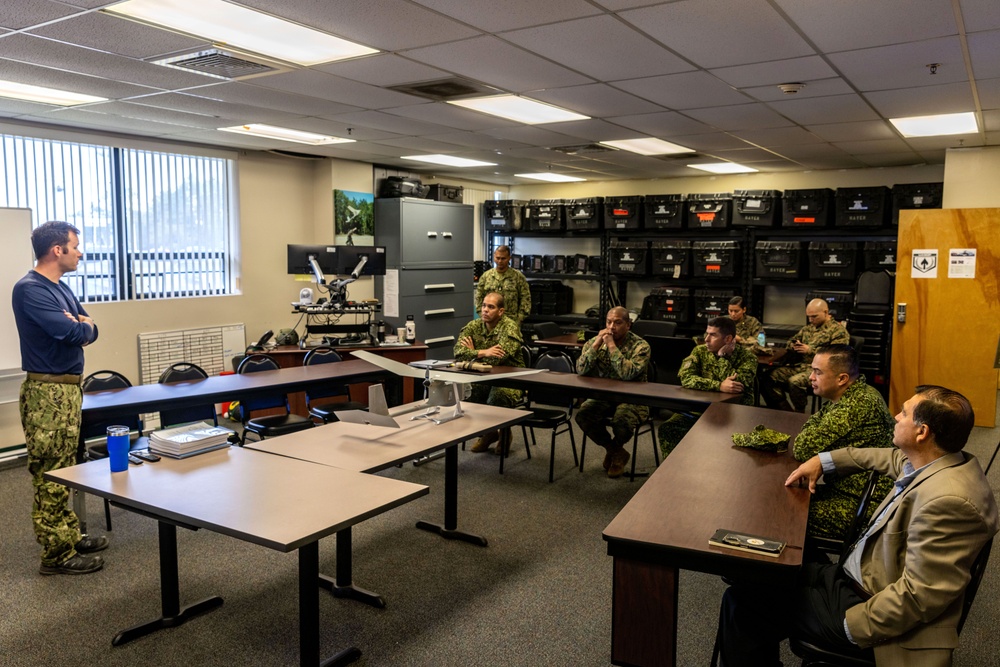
{"x": 153, "y": 224}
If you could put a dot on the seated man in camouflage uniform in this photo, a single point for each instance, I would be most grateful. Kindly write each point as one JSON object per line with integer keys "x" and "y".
{"x": 794, "y": 377}
{"x": 617, "y": 353}
{"x": 855, "y": 416}
{"x": 718, "y": 365}
{"x": 494, "y": 340}
{"x": 747, "y": 326}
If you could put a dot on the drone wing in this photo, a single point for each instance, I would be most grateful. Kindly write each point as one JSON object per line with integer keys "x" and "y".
{"x": 443, "y": 376}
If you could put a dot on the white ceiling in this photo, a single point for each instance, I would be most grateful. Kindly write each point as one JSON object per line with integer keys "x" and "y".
{"x": 701, "y": 73}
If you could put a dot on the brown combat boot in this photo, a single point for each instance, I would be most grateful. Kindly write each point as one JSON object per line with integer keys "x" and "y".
{"x": 484, "y": 442}
{"x": 619, "y": 457}
{"x": 504, "y": 441}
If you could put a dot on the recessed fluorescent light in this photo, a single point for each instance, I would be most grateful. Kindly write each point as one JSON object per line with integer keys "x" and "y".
{"x": 64, "y": 98}
{"x": 449, "y": 160}
{"x": 285, "y": 134}
{"x": 648, "y": 146}
{"x": 936, "y": 126}
{"x": 552, "y": 178}
{"x": 520, "y": 109}
{"x": 723, "y": 168}
{"x": 229, "y": 24}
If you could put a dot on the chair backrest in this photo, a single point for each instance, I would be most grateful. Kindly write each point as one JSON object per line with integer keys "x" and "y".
{"x": 976, "y": 572}
{"x": 527, "y": 357}
{"x": 873, "y": 289}
{"x": 556, "y": 360}
{"x": 643, "y": 328}
{"x": 255, "y": 363}
{"x": 183, "y": 371}
{"x": 324, "y": 355}
{"x": 860, "y": 512}
{"x": 547, "y": 329}
{"x": 857, "y": 342}
{"x": 105, "y": 381}
{"x": 669, "y": 353}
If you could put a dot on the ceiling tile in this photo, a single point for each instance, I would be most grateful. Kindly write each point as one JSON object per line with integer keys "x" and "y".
{"x": 497, "y": 63}
{"x": 663, "y": 124}
{"x": 156, "y": 114}
{"x": 739, "y": 117}
{"x": 597, "y": 100}
{"x": 980, "y": 15}
{"x": 819, "y": 110}
{"x": 390, "y": 123}
{"x": 712, "y": 142}
{"x": 991, "y": 121}
{"x": 780, "y": 136}
{"x": 601, "y": 46}
{"x": 510, "y": 14}
{"x": 841, "y": 25}
{"x": 691, "y": 90}
{"x": 249, "y": 94}
{"x": 476, "y": 140}
{"x": 25, "y": 13}
{"x": 87, "y": 118}
{"x": 746, "y": 155}
{"x": 903, "y": 65}
{"x": 720, "y": 33}
{"x": 532, "y": 136}
{"x": 821, "y": 88}
{"x": 861, "y": 131}
{"x": 871, "y": 147}
{"x": 224, "y": 110}
{"x": 335, "y": 128}
{"x": 989, "y": 93}
{"x": 388, "y": 25}
{"x": 448, "y": 114}
{"x": 589, "y": 130}
{"x": 62, "y": 80}
{"x": 326, "y": 86}
{"x": 950, "y": 98}
{"x": 922, "y": 144}
{"x": 105, "y": 32}
{"x": 418, "y": 145}
{"x": 891, "y": 159}
{"x": 383, "y": 69}
{"x": 775, "y": 72}
{"x": 984, "y": 49}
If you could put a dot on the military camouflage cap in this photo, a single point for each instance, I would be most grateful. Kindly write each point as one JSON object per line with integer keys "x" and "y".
{"x": 764, "y": 439}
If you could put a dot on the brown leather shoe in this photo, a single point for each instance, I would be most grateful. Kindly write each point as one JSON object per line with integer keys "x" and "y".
{"x": 619, "y": 458}
{"x": 484, "y": 442}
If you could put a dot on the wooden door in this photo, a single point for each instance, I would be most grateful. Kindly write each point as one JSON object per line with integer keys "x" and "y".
{"x": 952, "y": 327}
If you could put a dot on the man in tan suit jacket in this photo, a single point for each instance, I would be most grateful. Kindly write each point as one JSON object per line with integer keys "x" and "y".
{"x": 899, "y": 589}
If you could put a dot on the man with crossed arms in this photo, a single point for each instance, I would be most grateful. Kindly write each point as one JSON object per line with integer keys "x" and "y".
{"x": 899, "y": 589}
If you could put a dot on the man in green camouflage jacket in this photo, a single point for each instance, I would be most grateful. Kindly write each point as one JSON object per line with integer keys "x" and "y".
{"x": 855, "y": 416}
{"x": 494, "y": 340}
{"x": 617, "y": 353}
{"x": 794, "y": 377}
{"x": 718, "y": 365}
{"x": 508, "y": 282}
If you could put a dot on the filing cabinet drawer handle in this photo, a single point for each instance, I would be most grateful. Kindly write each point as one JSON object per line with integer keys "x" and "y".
{"x": 439, "y": 286}
{"x": 439, "y": 311}
{"x": 442, "y": 339}
{"x": 432, "y": 235}
{"x": 447, "y": 235}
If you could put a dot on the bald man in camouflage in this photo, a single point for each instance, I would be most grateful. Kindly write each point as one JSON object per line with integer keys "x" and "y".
{"x": 794, "y": 377}
{"x": 617, "y": 353}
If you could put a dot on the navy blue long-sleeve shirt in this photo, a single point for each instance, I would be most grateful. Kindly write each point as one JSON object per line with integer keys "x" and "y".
{"x": 50, "y": 341}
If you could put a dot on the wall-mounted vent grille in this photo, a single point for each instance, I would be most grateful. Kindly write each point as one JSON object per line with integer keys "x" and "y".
{"x": 222, "y": 64}
{"x": 453, "y": 88}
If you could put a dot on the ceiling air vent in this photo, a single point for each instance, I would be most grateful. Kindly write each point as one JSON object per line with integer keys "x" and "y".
{"x": 686, "y": 157}
{"x": 439, "y": 90}
{"x": 222, "y": 64}
{"x": 580, "y": 149}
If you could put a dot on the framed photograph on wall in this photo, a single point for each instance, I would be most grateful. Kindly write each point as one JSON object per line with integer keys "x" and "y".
{"x": 353, "y": 218}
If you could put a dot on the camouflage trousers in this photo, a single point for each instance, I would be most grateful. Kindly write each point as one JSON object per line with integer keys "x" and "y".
{"x": 625, "y": 419}
{"x": 50, "y": 415}
{"x": 502, "y": 397}
{"x": 794, "y": 379}
{"x": 672, "y": 431}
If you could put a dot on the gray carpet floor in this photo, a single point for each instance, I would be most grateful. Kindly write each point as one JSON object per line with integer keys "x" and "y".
{"x": 539, "y": 594}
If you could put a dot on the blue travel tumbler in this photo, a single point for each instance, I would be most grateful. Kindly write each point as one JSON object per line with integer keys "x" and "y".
{"x": 118, "y": 448}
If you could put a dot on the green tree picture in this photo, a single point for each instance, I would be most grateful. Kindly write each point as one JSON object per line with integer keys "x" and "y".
{"x": 353, "y": 218}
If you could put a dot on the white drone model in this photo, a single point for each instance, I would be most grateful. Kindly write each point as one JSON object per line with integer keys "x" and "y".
{"x": 443, "y": 389}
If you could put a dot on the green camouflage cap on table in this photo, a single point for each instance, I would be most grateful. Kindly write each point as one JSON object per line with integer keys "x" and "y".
{"x": 764, "y": 439}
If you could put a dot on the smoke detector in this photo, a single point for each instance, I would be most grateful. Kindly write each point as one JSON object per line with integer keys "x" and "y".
{"x": 790, "y": 88}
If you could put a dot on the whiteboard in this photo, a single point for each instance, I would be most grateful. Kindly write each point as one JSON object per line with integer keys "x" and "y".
{"x": 16, "y": 259}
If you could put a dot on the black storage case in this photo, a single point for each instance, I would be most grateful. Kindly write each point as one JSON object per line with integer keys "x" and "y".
{"x": 503, "y": 215}
{"x": 595, "y": 265}
{"x": 584, "y": 214}
{"x": 715, "y": 259}
{"x": 550, "y": 297}
{"x": 864, "y": 207}
{"x": 629, "y": 257}
{"x": 840, "y": 302}
{"x": 880, "y": 256}
{"x": 623, "y": 212}
{"x": 442, "y": 192}
{"x": 808, "y": 208}
{"x": 517, "y": 262}
{"x": 545, "y": 215}
{"x": 915, "y": 195}
{"x": 709, "y": 211}
{"x": 536, "y": 265}
{"x": 756, "y": 208}
{"x": 709, "y": 303}
{"x": 778, "y": 259}
{"x": 554, "y": 263}
{"x": 576, "y": 264}
{"x": 663, "y": 212}
{"x": 833, "y": 260}
{"x": 671, "y": 258}
{"x": 397, "y": 186}
{"x": 667, "y": 304}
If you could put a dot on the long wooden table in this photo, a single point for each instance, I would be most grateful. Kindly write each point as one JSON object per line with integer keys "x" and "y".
{"x": 277, "y": 502}
{"x": 705, "y": 484}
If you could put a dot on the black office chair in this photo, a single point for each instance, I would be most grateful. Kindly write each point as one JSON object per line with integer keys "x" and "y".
{"x": 183, "y": 371}
{"x": 547, "y": 329}
{"x": 554, "y": 419}
{"x": 94, "y": 435}
{"x": 643, "y": 328}
{"x": 645, "y": 427}
{"x": 816, "y": 656}
{"x": 527, "y": 356}
{"x": 830, "y": 545}
{"x": 327, "y": 410}
{"x": 274, "y": 425}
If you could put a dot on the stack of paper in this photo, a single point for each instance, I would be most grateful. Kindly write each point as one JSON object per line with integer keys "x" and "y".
{"x": 188, "y": 440}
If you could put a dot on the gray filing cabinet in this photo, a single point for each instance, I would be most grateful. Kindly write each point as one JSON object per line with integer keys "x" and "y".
{"x": 430, "y": 243}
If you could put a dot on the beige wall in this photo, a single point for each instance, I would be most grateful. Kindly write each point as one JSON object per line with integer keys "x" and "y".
{"x": 971, "y": 174}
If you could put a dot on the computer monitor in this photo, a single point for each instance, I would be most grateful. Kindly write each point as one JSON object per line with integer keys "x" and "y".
{"x": 349, "y": 259}
{"x": 313, "y": 260}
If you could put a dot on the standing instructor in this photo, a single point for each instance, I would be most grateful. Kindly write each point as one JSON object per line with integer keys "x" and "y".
{"x": 53, "y": 329}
